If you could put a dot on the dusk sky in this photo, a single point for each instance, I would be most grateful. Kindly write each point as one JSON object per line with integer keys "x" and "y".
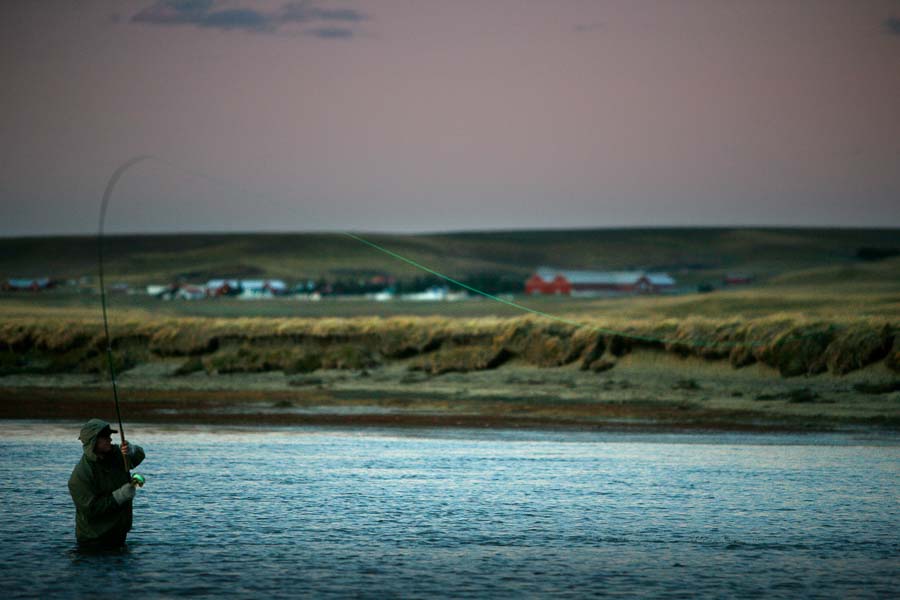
{"x": 407, "y": 116}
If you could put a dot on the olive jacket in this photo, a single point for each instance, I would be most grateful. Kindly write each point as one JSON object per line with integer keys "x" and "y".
{"x": 93, "y": 481}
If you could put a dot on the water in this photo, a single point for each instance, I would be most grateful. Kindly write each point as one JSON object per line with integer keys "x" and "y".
{"x": 318, "y": 512}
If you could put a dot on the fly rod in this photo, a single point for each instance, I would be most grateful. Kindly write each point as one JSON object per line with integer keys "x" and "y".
{"x": 107, "y": 193}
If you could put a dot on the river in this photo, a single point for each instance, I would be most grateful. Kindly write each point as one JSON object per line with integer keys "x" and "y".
{"x": 282, "y": 512}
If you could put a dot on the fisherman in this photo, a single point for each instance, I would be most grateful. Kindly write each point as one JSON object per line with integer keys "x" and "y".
{"x": 102, "y": 487}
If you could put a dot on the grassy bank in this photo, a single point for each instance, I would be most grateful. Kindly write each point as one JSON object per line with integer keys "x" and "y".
{"x": 788, "y": 345}
{"x": 771, "y": 373}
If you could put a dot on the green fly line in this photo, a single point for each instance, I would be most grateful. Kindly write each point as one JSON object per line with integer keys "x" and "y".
{"x": 557, "y": 318}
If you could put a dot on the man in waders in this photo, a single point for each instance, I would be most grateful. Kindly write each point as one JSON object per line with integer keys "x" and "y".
{"x": 101, "y": 488}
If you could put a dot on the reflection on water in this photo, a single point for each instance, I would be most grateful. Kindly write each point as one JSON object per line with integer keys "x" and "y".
{"x": 285, "y": 512}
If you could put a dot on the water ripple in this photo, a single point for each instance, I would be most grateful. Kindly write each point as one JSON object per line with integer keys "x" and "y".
{"x": 370, "y": 514}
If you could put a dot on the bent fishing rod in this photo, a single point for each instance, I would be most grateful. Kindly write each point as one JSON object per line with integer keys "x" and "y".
{"x": 107, "y": 193}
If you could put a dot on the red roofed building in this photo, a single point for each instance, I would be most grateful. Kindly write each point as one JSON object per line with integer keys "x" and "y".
{"x": 554, "y": 284}
{"x": 586, "y": 283}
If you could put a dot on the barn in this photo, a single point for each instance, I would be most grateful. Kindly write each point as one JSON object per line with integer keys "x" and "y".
{"x": 597, "y": 283}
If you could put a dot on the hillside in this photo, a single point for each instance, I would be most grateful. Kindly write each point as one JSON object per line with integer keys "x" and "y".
{"x": 692, "y": 255}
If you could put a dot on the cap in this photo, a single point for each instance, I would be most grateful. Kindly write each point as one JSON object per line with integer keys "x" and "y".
{"x": 95, "y": 428}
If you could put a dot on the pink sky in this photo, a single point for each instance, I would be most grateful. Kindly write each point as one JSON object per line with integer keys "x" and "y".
{"x": 426, "y": 115}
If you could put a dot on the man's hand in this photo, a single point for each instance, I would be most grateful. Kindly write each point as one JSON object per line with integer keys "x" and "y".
{"x": 124, "y": 494}
{"x": 125, "y": 448}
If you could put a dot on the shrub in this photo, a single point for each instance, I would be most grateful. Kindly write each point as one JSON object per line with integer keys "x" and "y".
{"x": 348, "y": 357}
{"x": 741, "y": 356}
{"x": 799, "y": 351}
{"x": 183, "y": 338}
{"x": 16, "y": 337}
{"x": 545, "y": 344}
{"x": 245, "y": 359}
{"x": 67, "y": 336}
{"x": 461, "y": 359}
{"x": 305, "y": 362}
{"x": 859, "y": 345}
{"x": 99, "y": 363}
{"x": 595, "y": 349}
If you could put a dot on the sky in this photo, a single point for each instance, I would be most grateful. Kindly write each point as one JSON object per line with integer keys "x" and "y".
{"x": 426, "y": 115}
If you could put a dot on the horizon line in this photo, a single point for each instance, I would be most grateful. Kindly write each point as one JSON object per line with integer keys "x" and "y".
{"x": 561, "y": 229}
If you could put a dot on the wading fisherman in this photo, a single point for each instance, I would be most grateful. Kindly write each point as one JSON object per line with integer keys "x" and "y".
{"x": 102, "y": 488}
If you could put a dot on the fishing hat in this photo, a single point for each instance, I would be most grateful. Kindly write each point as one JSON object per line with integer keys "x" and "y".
{"x": 94, "y": 428}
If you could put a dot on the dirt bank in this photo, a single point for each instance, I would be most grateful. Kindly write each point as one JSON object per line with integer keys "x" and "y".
{"x": 647, "y": 389}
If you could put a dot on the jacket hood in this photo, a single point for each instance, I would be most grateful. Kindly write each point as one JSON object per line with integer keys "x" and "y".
{"x": 89, "y": 433}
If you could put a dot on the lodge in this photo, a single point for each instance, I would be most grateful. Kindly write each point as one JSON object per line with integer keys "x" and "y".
{"x": 550, "y": 281}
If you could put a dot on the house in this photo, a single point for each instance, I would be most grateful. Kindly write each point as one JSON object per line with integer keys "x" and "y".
{"x": 382, "y": 296}
{"x": 435, "y": 293}
{"x": 190, "y": 292}
{"x": 27, "y": 285}
{"x": 586, "y": 283}
{"x": 162, "y": 292}
{"x": 277, "y": 287}
{"x": 262, "y": 288}
{"x": 223, "y": 287}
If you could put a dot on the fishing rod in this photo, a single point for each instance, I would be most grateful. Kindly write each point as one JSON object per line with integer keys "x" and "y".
{"x": 107, "y": 193}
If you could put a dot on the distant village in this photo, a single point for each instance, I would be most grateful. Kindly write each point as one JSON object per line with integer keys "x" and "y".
{"x": 545, "y": 281}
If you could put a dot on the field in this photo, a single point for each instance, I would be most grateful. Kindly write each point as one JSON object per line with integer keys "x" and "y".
{"x": 813, "y": 345}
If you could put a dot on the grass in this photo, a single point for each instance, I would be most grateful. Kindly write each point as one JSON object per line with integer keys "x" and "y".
{"x": 792, "y": 345}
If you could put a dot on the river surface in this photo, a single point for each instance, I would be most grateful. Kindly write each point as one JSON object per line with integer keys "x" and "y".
{"x": 436, "y": 513}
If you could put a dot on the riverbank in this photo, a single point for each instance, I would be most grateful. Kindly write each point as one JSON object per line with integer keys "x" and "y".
{"x": 777, "y": 372}
{"x": 647, "y": 390}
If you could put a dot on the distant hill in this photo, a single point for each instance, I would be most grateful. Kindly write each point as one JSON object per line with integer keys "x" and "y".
{"x": 691, "y": 255}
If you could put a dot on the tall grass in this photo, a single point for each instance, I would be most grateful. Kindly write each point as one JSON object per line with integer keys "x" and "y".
{"x": 792, "y": 345}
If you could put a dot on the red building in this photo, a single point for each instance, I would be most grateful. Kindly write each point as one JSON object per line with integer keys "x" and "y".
{"x": 574, "y": 283}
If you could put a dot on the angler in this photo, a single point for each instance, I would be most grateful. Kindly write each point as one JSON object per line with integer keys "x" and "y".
{"x": 102, "y": 487}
